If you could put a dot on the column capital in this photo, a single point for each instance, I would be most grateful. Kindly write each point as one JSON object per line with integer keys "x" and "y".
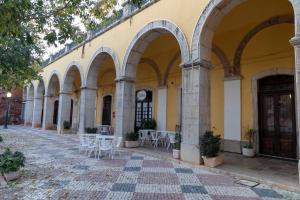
{"x": 38, "y": 98}
{"x": 295, "y": 41}
{"x": 65, "y": 93}
{"x": 88, "y": 88}
{"x": 125, "y": 79}
{"x": 233, "y": 77}
{"x": 197, "y": 63}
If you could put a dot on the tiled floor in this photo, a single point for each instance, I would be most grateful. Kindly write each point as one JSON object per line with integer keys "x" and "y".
{"x": 55, "y": 170}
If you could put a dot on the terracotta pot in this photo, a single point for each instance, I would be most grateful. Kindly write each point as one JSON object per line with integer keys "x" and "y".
{"x": 248, "y": 152}
{"x": 10, "y": 176}
{"x": 132, "y": 144}
{"x": 176, "y": 154}
{"x": 214, "y": 161}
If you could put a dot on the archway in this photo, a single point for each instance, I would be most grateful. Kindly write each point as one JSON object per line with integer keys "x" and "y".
{"x": 259, "y": 43}
{"x": 51, "y": 96}
{"x": 69, "y": 99}
{"x": 150, "y": 85}
{"x": 100, "y": 81}
{"x": 38, "y": 109}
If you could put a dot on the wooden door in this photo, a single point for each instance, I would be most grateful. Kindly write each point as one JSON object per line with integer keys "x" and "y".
{"x": 106, "y": 112}
{"x": 277, "y": 130}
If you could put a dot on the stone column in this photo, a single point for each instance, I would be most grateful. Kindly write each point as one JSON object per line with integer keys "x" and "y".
{"x": 64, "y": 109}
{"x": 195, "y": 109}
{"x": 162, "y": 108}
{"x": 87, "y": 108}
{"x": 296, "y": 43}
{"x": 125, "y": 106}
{"x": 48, "y": 112}
{"x": 37, "y": 112}
{"x": 232, "y": 114}
{"x": 28, "y": 112}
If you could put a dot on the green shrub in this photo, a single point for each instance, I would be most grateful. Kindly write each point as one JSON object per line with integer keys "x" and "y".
{"x": 149, "y": 124}
{"x": 91, "y": 130}
{"x": 210, "y": 144}
{"x": 11, "y": 161}
{"x": 67, "y": 125}
{"x": 1, "y": 139}
{"x": 177, "y": 141}
{"x": 132, "y": 136}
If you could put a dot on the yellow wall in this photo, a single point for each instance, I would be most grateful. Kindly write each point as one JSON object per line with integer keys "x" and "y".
{"x": 267, "y": 50}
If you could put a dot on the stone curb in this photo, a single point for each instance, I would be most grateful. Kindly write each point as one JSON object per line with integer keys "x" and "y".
{"x": 220, "y": 171}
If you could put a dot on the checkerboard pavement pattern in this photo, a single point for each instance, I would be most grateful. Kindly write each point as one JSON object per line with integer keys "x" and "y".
{"x": 56, "y": 170}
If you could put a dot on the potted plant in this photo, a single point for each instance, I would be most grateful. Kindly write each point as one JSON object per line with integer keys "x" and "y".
{"x": 149, "y": 124}
{"x": 132, "y": 140}
{"x": 248, "y": 150}
{"x": 210, "y": 149}
{"x": 177, "y": 146}
{"x": 10, "y": 164}
{"x": 67, "y": 125}
{"x": 90, "y": 130}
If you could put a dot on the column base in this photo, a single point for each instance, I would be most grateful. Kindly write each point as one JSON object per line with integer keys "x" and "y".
{"x": 190, "y": 153}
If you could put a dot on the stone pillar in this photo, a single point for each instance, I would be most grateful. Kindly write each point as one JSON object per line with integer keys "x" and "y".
{"x": 195, "y": 109}
{"x": 162, "y": 108}
{"x": 87, "y": 108}
{"x": 232, "y": 115}
{"x": 28, "y": 112}
{"x": 37, "y": 112}
{"x": 296, "y": 43}
{"x": 48, "y": 112}
{"x": 64, "y": 110}
{"x": 125, "y": 106}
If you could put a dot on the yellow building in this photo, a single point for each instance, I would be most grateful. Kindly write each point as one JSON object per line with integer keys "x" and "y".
{"x": 221, "y": 65}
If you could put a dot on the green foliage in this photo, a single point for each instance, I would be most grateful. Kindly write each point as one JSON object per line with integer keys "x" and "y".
{"x": 133, "y": 136}
{"x": 251, "y": 136}
{"x": 1, "y": 138}
{"x": 91, "y": 130}
{"x": 210, "y": 144}
{"x": 67, "y": 125}
{"x": 177, "y": 141}
{"x": 11, "y": 161}
{"x": 149, "y": 124}
{"x": 27, "y": 26}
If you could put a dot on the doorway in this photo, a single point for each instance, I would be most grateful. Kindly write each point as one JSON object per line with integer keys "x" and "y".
{"x": 277, "y": 124}
{"x": 55, "y": 113}
{"x": 106, "y": 112}
{"x": 143, "y": 108}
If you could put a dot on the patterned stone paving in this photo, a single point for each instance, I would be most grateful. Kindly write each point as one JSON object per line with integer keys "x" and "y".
{"x": 56, "y": 170}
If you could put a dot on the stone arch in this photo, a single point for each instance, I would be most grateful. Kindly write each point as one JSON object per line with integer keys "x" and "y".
{"x": 155, "y": 67}
{"x": 207, "y": 24}
{"x": 40, "y": 89}
{"x": 53, "y": 80}
{"x": 246, "y": 39}
{"x": 30, "y": 93}
{"x": 93, "y": 68}
{"x": 223, "y": 58}
{"x": 145, "y": 36}
{"x": 70, "y": 75}
{"x": 169, "y": 67}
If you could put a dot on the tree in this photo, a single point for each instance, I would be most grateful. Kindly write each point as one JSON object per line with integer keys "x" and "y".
{"x": 26, "y": 25}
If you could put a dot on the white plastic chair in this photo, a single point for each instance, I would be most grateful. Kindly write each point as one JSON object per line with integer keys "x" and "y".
{"x": 92, "y": 144}
{"x": 163, "y": 138}
{"x": 117, "y": 145}
{"x": 154, "y": 138}
{"x": 171, "y": 139}
{"x": 104, "y": 129}
{"x": 105, "y": 145}
{"x": 143, "y": 136}
{"x": 83, "y": 145}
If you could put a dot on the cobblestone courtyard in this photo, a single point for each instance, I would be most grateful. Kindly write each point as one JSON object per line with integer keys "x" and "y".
{"x": 55, "y": 170}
